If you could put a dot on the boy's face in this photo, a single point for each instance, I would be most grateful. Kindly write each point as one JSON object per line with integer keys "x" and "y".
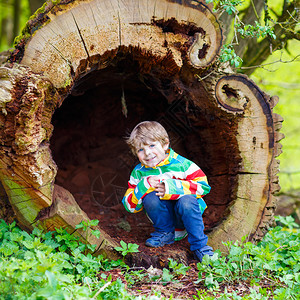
{"x": 152, "y": 154}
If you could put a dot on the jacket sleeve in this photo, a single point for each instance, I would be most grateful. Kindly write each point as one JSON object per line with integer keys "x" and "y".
{"x": 137, "y": 189}
{"x": 193, "y": 182}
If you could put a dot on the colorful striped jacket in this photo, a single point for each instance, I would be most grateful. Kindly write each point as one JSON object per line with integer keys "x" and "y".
{"x": 180, "y": 176}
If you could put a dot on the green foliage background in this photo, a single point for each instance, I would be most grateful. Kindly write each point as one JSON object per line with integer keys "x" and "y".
{"x": 6, "y": 21}
{"x": 283, "y": 79}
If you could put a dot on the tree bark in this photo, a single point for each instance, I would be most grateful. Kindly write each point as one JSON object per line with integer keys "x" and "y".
{"x": 93, "y": 69}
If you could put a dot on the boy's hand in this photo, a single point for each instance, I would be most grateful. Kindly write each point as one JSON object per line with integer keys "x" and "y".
{"x": 160, "y": 190}
{"x": 159, "y": 186}
{"x": 154, "y": 181}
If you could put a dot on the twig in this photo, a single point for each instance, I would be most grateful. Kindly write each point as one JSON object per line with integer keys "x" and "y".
{"x": 87, "y": 284}
{"x": 184, "y": 288}
{"x": 285, "y": 85}
{"x": 275, "y": 282}
{"x": 281, "y": 247}
{"x": 253, "y": 6}
{"x": 277, "y": 61}
{"x": 202, "y": 78}
{"x": 292, "y": 16}
{"x": 290, "y": 172}
{"x": 136, "y": 268}
{"x": 102, "y": 289}
{"x": 236, "y": 19}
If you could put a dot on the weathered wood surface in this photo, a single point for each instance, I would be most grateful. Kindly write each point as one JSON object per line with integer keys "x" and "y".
{"x": 77, "y": 30}
{"x": 257, "y": 141}
{"x": 27, "y": 169}
{"x": 65, "y": 213}
{"x": 163, "y": 53}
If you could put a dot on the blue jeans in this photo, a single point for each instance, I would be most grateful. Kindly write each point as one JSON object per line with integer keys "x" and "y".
{"x": 167, "y": 215}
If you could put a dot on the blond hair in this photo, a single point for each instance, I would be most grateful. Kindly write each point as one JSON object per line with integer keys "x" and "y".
{"x": 145, "y": 133}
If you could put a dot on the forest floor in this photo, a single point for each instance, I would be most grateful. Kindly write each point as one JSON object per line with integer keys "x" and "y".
{"x": 135, "y": 229}
{"x": 185, "y": 286}
{"x": 179, "y": 288}
{"x": 150, "y": 263}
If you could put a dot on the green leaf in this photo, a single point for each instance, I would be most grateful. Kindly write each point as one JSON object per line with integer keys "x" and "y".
{"x": 167, "y": 276}
{"x": 96, "y": 233}
{"x": 51, "y": 278}
{"x": 133, "y": 247}
{"x": 94, "y": 222}
{"x": 234, "y": 265}
{"x": 210, "y": 282}
{"x": 78, "y": 226}
{"x": 123, "y": 244}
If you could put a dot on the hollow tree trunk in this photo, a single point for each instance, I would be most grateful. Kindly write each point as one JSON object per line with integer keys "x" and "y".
{"x": 94, "y": 69}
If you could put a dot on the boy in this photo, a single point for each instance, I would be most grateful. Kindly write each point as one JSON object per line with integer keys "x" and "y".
{"x": 169, "y": 187}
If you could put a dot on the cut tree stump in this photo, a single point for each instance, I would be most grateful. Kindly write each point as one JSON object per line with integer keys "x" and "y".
{"x": 84, "y": 73}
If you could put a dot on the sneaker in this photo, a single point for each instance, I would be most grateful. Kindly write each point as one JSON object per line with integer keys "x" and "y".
{"x": 206, "y": 250}
{"x": 180, "y": 234}
{"x": 160, "y": 239}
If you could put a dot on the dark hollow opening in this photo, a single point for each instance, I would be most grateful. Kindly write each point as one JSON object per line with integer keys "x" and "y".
{"x": 230, "y": 92}
{"x": 94, "y": 162}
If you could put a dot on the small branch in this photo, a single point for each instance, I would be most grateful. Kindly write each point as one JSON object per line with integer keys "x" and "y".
{"x": 289, "y": 194}
{"x": 254, "y": 9}
{"x": 236, "y": 21}
{"x": 284, "y": 85}
{"x": 102, "y": 289}
{"x": 290, "y": 172}
{"x": 271, "y": 280}
{"x": 202, "y": 78}
{"x": 258, "y": 52}
{"x": 271, "y": 63}
{"x": 88, "y": 284}
{"x": 292, "y": 17}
